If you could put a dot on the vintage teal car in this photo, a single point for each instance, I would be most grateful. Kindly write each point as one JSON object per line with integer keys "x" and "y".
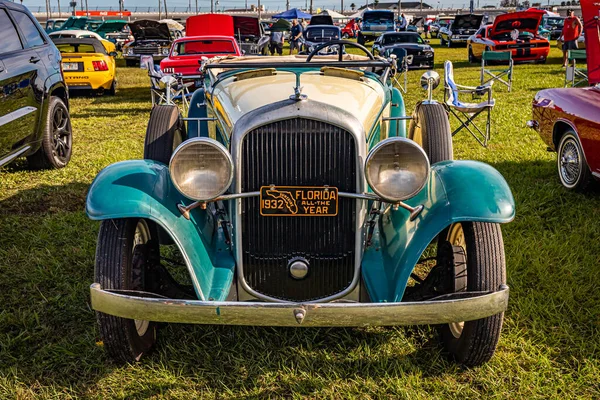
{"x": 293, "y": 194}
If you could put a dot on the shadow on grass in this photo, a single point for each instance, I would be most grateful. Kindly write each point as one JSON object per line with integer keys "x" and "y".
{"x": 44, "y": 199}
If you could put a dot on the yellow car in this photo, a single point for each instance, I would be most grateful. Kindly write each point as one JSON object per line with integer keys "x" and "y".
{"x": 88, "y": 64}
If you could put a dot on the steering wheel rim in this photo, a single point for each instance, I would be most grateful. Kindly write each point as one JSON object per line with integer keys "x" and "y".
{"x": 340, "y": 44}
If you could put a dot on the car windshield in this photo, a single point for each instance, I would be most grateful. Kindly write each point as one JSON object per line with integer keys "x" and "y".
{"x": 444, "y": 22}
{"x": 402, "y": 38}
{"x": 321, "y": 34}
{"x": 555, "y": 22}
{"x": 75, "y": 48}
{"x": 378, "y": 17}
{"x": 63, "y": 35}
{"x": 204, "y": 47}
{"x": 58, "y": 24}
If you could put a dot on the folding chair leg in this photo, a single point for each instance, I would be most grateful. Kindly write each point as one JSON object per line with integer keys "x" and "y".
{"x": 466, "y": 123}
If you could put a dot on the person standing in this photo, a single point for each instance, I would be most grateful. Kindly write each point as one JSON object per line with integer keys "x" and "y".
{"x": 276, "y": 43}
{"x": 355, "y": 29}
{"x": 402, "y": 22}
{"x": 304, "y": 24}
{"x": 295, "y": 36}
{"x": 570, "y": 33}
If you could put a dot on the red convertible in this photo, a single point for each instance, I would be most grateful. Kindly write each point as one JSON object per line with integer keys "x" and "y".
{"x": 568, "y": 119}
{"x": 516, "y": 32}
{"x": 210, "y": 36}
{"x": 187, "y": 52}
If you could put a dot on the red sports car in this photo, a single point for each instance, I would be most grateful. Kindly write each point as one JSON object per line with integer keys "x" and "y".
{"x": 568, "y": 119}
{"x": 187, "y": 52}
{"x": 516, "y": 32}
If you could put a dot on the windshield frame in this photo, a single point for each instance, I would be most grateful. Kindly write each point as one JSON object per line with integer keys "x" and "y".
{"x": 387, "y": 39}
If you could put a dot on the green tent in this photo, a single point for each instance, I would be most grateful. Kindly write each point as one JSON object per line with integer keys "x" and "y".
{"x": 281, "y": 25}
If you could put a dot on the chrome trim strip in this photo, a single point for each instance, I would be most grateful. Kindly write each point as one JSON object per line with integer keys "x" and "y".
{"x": 12, "y": 156}
{"x": 478, "y": 305}
{"x": 280, "y": 111}
{"x": 19, "y": 113}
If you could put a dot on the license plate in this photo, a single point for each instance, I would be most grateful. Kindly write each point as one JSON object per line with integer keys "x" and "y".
{"x": 298, "y": 201}
{"x": 70, "y": 66}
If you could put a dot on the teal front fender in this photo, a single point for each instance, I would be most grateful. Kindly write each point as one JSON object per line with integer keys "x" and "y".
{"x": 456, "y": 191}
{"x": 143, "y": 189}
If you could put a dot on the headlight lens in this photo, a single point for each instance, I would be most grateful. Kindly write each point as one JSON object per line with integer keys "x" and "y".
{"x": 165, "y": 51}
{"x": 397, "y": 169}
{"x": 201, "y": 169}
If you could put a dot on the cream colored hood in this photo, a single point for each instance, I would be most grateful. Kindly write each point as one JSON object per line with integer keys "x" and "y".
{"x": 363, "y": 99}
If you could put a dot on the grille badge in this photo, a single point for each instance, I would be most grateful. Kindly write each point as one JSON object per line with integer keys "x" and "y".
{"x": 298, "y": 268}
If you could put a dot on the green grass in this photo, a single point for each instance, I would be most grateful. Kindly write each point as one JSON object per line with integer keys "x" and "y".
{"x": 49, "y": 343}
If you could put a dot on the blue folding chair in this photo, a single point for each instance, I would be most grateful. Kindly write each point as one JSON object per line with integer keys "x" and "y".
{"x": 467, "y": 112}
{"x": 403, "y": 61}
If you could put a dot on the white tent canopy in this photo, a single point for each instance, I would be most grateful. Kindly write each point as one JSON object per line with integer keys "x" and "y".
{"x": 333, "y": 14}
{"x": 359, "y": 14}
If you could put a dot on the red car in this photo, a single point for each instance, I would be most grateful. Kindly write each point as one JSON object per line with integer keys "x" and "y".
{"x": 516, "y": 32}
{"x": 211, "y": 35}
{"x": 187, "y": 52}
{"x": 349, "y": 30}
{"x": 568, "y": 119}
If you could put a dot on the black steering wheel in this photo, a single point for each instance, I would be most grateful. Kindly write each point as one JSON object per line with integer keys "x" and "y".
{"x": 340, "y": 44}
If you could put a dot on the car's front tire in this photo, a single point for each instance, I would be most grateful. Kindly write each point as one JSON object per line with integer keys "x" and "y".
{"x": 345, "y": 36}
{"x": 125, "y": 246}
{"x": 475, "y": 251}
{"x": 573, "y": 170}
{"x": 57, "y": 138}
{"x": 430, "y": 128}
{"x": 165, "y": 132}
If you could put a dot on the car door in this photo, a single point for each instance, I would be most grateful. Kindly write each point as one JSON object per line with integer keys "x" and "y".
{"x": 26, "y": 75}
{"x": 19, "y": 106}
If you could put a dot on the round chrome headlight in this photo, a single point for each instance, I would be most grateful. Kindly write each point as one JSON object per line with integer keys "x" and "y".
{"x": 201, "y": 169}
{"x": 397, "y": 169}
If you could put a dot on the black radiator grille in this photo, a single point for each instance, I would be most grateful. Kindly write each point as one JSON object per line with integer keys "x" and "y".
{"x": 298, "y": 152}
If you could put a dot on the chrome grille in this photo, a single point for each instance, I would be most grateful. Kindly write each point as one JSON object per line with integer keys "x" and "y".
{"x": 146, "y": 50}
{"x": 298, "y": 152}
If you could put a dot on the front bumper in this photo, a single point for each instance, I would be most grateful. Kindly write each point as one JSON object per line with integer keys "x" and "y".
{"x": 130, "y": 305}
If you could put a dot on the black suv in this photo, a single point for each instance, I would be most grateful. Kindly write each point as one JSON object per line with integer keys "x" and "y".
{"x": 34, "y": 102}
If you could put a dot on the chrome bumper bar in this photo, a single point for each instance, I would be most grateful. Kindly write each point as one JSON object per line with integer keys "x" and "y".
{"x": 440, "y": 311}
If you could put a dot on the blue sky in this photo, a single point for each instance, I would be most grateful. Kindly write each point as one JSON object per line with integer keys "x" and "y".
{"x": 269, "y": 4}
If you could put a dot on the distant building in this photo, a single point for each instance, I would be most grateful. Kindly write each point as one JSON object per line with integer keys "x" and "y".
{"x": 394, "y": 5}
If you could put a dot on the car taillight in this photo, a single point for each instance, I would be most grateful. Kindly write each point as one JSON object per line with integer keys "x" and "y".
{"x": 100, "y": 65}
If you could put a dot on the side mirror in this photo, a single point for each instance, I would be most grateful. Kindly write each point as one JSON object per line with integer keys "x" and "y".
{"x": 427, "y": 41}
{"x": 429, "y": 81}
{"x": 112, "y": 54}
